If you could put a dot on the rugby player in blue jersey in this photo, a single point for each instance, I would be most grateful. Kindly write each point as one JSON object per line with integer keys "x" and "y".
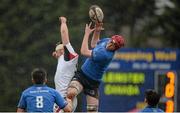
{"x": 41, "y": 98}
{"x": 99, "y": 57}
{"x": 152, "y": 100}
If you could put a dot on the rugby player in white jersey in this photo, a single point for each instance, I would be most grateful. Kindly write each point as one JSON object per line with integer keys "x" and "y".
{"x": 67, "y": 62}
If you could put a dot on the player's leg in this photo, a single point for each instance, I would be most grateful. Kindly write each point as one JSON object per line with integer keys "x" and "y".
{"x": 75, "y": 86}
{"x": 92, "y": 104}
{"x": 92, "y": 99}
{"x": 74, "y": 104}
{"x": 74, "y": 89}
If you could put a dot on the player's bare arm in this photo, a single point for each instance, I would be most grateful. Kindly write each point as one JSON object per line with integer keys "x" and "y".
{"x": 65, "y": 35}
{"x": 96, "y": 34}
{"x": 64, "y": 30}
{"x": 84, "y": 47}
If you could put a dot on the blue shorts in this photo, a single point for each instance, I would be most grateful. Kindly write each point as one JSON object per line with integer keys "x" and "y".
{"x": 90, "y": 87}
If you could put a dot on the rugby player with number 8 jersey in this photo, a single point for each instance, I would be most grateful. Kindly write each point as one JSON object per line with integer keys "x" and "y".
{"x": 40, "y": 97}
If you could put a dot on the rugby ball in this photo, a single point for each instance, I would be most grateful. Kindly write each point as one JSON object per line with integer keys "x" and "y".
{"x": 96, "y": 14}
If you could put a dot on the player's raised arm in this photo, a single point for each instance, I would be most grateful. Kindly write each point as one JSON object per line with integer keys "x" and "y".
{"x": 96, "y": 34}
{"x": 64, "y": 30}
{"x": 65, "y": 36}
{"x": 96, "y": 15}
{"x": 84, "y": 47}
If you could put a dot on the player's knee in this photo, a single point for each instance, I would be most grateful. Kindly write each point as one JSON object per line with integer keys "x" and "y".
{"x": 92, "y": 108}
{"x": 74, "y": 89}
{"x": 71, "y": 93}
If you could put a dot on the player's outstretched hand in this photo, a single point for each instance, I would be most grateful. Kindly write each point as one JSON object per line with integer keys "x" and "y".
{"x": 62, "y": 19}
{"x": 54, "y": 54}
{"x": 88, "y": 29}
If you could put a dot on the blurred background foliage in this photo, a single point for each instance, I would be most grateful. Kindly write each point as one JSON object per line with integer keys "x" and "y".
{"x": 29, "y": 30}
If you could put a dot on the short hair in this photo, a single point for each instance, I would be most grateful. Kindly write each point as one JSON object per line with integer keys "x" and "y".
{"x": 152, "y": 97}
{"x": 59, "y": 45}
{"x": 39, "y": 75}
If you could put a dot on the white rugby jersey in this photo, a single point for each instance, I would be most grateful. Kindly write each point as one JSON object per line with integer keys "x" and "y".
{"x": 64, "y": 73}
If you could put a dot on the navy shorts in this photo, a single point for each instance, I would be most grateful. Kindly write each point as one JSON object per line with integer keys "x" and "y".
{"x": 90, "y": 86}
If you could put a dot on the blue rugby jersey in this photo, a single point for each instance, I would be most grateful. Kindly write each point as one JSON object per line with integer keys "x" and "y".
{"x": 95, "y": 66}
{"x": 40, "y": 98}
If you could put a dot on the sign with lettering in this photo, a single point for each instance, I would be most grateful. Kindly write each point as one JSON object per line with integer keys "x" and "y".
{"x": 123, "y": 90}
{"x": 146, "y": 59}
